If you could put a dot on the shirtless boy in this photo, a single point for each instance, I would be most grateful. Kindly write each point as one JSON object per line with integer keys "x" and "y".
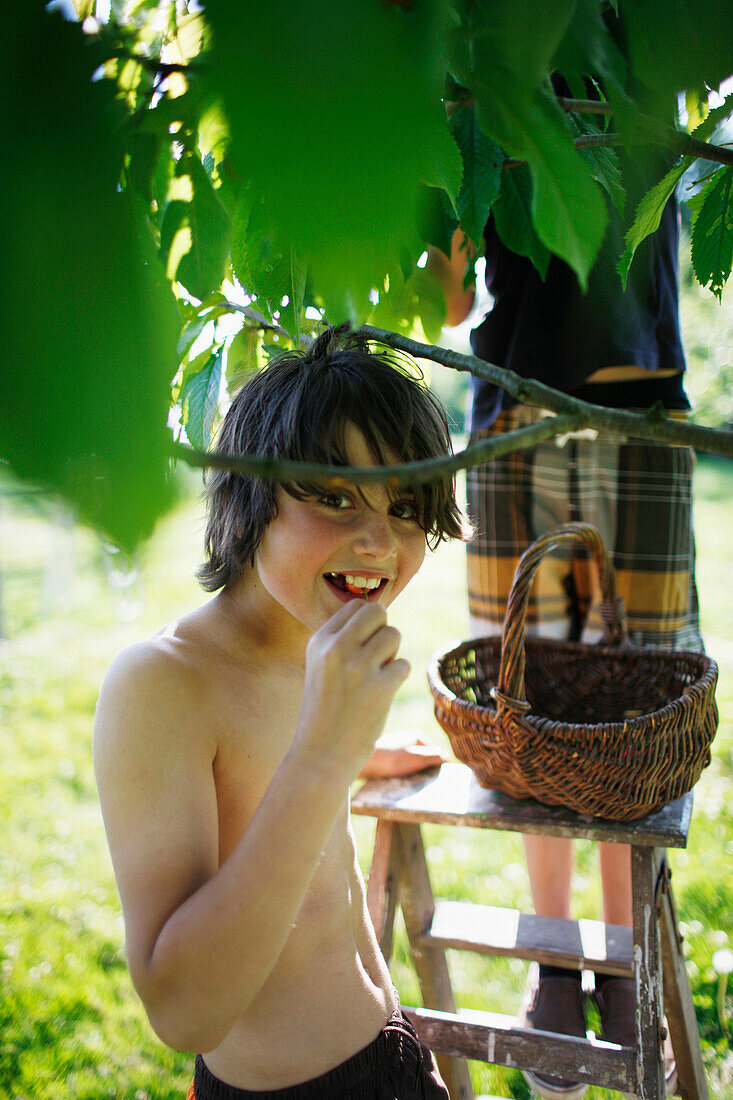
{"x": 225, "y": 746}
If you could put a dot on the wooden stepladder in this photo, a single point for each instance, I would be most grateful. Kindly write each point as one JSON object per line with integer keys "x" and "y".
{"x": 650, "y": 952}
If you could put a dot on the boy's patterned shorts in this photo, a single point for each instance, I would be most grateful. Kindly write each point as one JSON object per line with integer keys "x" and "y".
{"x": 638, "y": 494}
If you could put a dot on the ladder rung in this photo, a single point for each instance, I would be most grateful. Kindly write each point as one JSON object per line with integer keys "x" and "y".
{"x": 490, "y": 1037}
{"x": 490, "y": 930}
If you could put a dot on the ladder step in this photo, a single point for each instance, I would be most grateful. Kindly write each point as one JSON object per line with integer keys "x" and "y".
{"x": 495, "y": 1038}
{"x": 490, "y": 930}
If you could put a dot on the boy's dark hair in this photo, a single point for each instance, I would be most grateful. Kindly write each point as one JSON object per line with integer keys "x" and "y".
{"x": 298, "y": 408}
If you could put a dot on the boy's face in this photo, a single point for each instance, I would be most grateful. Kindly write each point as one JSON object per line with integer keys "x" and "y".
{"x": 321, "y": 552}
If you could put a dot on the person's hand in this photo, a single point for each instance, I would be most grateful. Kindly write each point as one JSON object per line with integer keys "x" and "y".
{"x": 402, "y": 752}
{"x": 352, "y": 673}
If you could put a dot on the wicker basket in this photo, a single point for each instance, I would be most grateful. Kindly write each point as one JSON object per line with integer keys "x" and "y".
{"x": 610, "y": 730}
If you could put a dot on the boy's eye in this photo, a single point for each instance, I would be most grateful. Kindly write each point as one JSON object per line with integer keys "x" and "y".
{"x": 335, "y": 500}
{"x": 404, "y": 509}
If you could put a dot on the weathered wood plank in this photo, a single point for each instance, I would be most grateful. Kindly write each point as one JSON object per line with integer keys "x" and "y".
{"x": 418, "y": 907}
{"x": 646, "y": 865}
{"x": 490, "y": 1037}
{"x": 490, "y": 930}
{"x": 452, "y": 796}
{"x": 679, "y": 1009}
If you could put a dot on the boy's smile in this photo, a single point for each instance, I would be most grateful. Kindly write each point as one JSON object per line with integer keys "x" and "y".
{"x": 347, "y": 585}
{"x": 341, "y": 545}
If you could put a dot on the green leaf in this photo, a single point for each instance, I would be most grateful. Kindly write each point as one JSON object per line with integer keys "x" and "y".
{"x": 258, "y": 258}
{"x": 482, "y": 159}
{"x": 714, "y": 118}
{"x": 89, "y": 323}
{"x": 241, "y": 359}
{"x": 674, "y": 46}
{"x": 445, "y": 168}
{"x": 273, "y": 350}
{"x": 431, "y": 303}
{"x": 588, "y": 50}
{"x": 360, "y": 130}
{"x": 712, "y": 231}
{"x": 603, "y": 160}
{"x": 292, "y": 316}
{"x": 568, "y": 210}
{"x": 438, "y": 218}
{"x": 192, "y": 331}
{"x": 519, "y": 35}
{"x": 144, "y": 152}
{"x": 397, "y": 307}
{"x": 201, "y": 268}
{"x": 182, "y": 109}
{"x": 200, "y": 400}
{"x": 649, "y": 213}
{"x": 513, "y": 218}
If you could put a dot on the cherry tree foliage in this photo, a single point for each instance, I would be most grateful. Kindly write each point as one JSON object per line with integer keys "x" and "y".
{"x": 190, "y": 187}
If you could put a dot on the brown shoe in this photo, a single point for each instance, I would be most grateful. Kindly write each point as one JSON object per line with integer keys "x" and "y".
{"x": 555, "y": 1004}
{"x": 616, "y": 1000}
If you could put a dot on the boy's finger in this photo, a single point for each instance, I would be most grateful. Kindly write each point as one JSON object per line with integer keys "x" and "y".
{"x": 383, "y": 645}
{"x": 341, "y": 617}
{"x": 365, "y": 620}
{"x": 395, "y": 672}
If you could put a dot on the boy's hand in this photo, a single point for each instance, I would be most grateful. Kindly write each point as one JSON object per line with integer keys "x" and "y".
{"x": 352, "y": 673}
{"x": 402, "y": 752}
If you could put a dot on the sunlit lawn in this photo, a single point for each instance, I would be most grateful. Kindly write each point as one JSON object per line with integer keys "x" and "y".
{"x": 69, "y": 1022}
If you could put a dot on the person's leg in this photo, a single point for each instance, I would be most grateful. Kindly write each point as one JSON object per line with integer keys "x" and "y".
{"x": 615, "y": 861}
{"x": 550, "y": 867}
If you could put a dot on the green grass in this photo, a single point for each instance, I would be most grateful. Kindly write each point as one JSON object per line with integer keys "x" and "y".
{"x": 70, "y": 1024}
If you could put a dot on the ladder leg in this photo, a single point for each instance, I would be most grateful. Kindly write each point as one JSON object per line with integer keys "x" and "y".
{"x": 418, "y": 907}
{"x": 646, "y": 864}
{"x": 383, "y": 886}
{"x": 678, "y": 1004}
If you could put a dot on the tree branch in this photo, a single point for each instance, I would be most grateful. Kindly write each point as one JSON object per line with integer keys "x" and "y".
{"x": 570, "y": 415}
{"x": 684, "y": 144}
{"x": 254, "y": 316}
{"x": 585, "y": 106}
{"x": 653, "y": 425}
{"x": 407, "y": 473}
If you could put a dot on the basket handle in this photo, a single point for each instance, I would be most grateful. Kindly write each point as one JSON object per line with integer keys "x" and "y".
{"x": 511, "y": 689}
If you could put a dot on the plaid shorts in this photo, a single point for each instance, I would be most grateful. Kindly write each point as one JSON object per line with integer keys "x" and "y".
{"x": 639, "y": 496}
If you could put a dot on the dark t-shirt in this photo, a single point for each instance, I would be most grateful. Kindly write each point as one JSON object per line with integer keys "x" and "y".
{"x": 550, "y": 331}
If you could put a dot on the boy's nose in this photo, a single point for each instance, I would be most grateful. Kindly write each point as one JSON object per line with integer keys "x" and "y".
{"x": 375, "y": 538}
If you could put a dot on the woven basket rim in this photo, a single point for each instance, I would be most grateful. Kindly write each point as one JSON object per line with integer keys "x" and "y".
{"x": 443, "y": 694}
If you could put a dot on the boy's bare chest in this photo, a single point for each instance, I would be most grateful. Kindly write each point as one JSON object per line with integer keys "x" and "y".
{"x": 256, "y": 722}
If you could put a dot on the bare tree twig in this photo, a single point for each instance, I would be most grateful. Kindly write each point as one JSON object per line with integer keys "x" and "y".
{"x": 407, "y": 473}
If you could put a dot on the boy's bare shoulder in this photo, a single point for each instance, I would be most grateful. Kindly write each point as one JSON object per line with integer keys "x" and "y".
{"x": 160, "y": 684}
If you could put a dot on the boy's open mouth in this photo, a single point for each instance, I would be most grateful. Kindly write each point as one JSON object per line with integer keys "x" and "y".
{"x": 354, "y": 584}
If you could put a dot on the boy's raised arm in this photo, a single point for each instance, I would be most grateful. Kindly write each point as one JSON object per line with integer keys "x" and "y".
{"x": 202, "y": 939}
